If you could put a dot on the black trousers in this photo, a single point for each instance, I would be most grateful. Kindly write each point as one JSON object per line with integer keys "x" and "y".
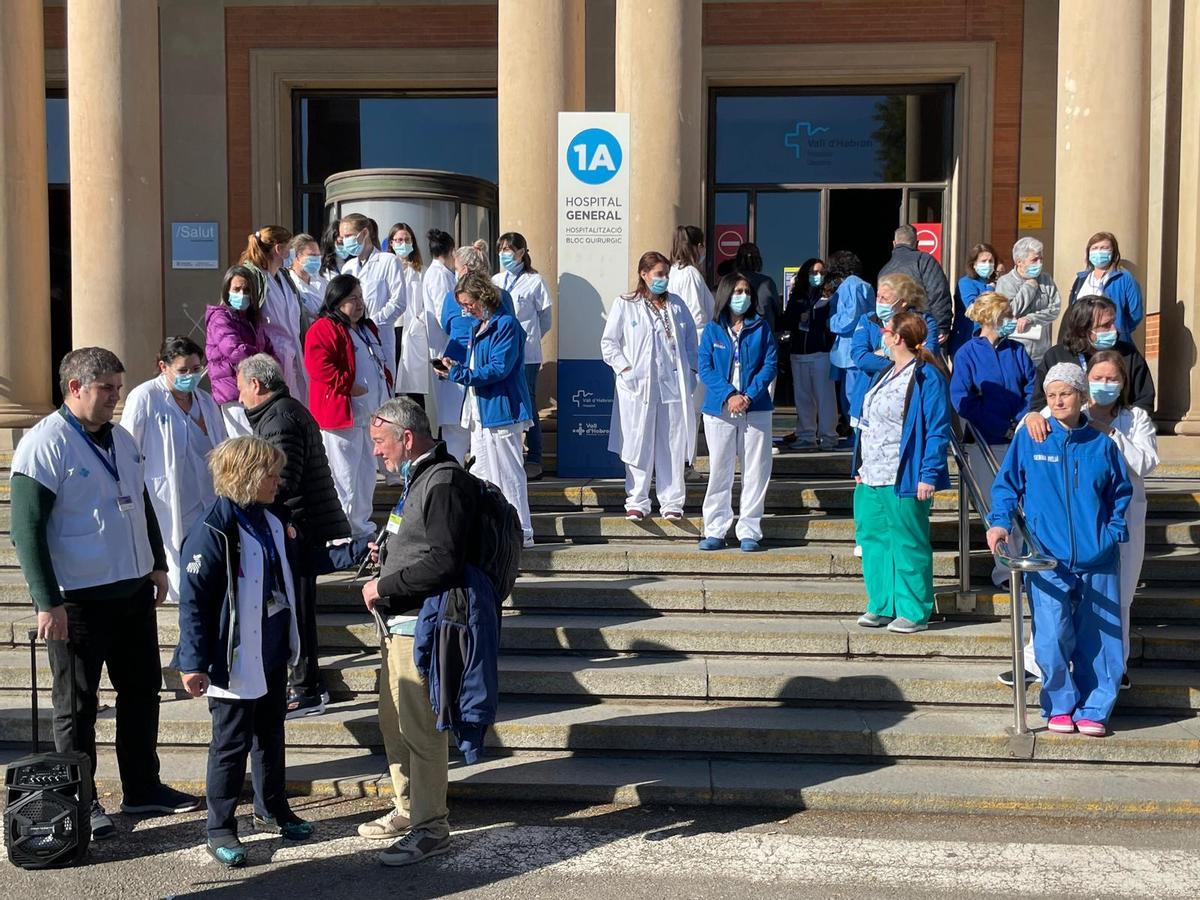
{"x": 305, "y": 677}
{"x": 241, "y": 729}
{"x": 122, "y": 634}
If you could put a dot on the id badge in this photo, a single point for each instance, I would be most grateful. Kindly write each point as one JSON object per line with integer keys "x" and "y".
{"x": 277, "y": 604}
{"x": 393, "y": 523}
{"x": 125, "y": 503}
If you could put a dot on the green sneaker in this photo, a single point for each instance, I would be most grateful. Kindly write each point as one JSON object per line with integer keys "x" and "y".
{"x": 228, "y": 851}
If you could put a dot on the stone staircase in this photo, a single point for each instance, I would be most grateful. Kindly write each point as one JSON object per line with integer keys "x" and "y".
{"x": 637, "y": 669}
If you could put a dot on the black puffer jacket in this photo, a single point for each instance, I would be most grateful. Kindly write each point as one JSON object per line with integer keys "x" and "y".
{"x": 307, "y": 486}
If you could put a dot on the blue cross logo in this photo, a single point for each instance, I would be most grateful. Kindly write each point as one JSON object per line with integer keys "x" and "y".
{"x": 797, "y": 142}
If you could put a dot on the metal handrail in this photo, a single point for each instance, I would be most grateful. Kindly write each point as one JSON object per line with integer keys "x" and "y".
{"x": 1035, "y": 560}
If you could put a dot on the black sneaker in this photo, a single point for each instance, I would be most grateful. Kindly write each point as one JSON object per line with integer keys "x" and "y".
{"x": 160, "y": 799}
{"x": 1006, "y": 678}
{"x": 301, "y": 705}
{"x": 102, "y": 826}
{"x": 1126, "y": 684}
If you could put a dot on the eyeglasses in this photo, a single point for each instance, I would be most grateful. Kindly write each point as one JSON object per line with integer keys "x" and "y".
{"x": 380, "y": 421}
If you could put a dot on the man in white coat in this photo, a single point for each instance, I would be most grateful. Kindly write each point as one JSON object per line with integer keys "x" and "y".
{"x": 381, "y": 277}
{"x": 649, "y": 342}
{"x": 176, "y": 425}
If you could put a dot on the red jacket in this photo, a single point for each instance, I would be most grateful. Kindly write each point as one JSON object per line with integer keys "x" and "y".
{"x": 329, "y": 359}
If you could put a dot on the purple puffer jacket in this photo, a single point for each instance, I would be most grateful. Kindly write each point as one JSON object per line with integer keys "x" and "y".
{"x": 230, "y": 337}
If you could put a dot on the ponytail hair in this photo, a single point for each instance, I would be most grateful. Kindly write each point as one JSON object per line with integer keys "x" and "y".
{"x": 516, "y": 241}
{"x": 260, "y": 243}
{"x": 473, "y": 257}
{"x": 686, "y": 245}
{"x": 913, "y": 331}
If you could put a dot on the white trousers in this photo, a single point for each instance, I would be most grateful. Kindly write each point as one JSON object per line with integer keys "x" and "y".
{"x": 667, "y": 445}
{"x": 1133, "y": 552}
{"x": 458, "y": 442}
{"x": 353, "y": 466}
{"x": 816, "y": 402}
{"x": 729, "y": 437}
{"x": 500, "y": 458}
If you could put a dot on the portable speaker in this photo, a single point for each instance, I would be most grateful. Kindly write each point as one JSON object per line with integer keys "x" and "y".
{"x": 48, "y": 816}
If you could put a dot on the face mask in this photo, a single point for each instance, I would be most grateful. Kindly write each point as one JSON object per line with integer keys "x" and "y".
{"x": 658, "y": 286}
{"x": 1007, "y": 328}
{"x": 238, "y": 301}
{"x": 311, "y": 264}
{"x": 287, "y": 260}
{"x": 349, "y": 247}
{"x": 187, "y": 383}
{"x": 405, "y": 469}
{"x": 739, "y": 303}
{"x": 402, "y": 249}
{"x": 508, "y": 260}
{"x": 1104, "y": 340}
{"x": 1100, "y": 258}
{"x": 1103, "y": 393}
{"x": 887, "y": 349}
{"x": 884, "y": 312}
{"x": 984, "y": 270}
{"x": 816, "y": 279}
{"x": 1033, "y": 270}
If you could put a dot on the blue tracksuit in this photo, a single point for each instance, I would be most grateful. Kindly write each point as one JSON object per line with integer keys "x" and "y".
{"x": 868, "y": 337}
{"x": 1074, "y": 489}
{"x": 755, "y": 348}
{"x": 991, "y": 386}
{"x": 1123, "y": 290}
{"x": 969, "y": 288}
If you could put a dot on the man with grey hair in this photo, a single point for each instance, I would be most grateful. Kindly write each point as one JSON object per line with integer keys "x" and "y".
{"x": 306, "y": 488}
{"x": 425, "y": 553}
{"x": 92, "y": 554}
{"x": 922, "y": 267}
{"x": 1034, "y": 295}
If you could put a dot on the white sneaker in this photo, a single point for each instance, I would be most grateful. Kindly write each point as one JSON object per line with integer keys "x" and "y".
{"x": 388, "y": 827}
{"x": 527, "y": 543}
{"x": 858, "y": 550}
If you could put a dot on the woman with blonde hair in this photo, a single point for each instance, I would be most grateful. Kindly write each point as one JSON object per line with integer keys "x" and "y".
{"x": 265, "y": 253}
{"x": 237, "y": 637}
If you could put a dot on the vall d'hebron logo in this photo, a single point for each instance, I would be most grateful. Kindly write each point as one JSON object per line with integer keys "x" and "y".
{"x": 590, "y": 429}
{"x": 806, "y": 141}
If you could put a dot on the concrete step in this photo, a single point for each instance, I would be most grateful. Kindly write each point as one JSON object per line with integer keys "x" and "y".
{"x": 916, "y": 787}
{"x": 856, "y": 681}
{"x": 704, "y": 729}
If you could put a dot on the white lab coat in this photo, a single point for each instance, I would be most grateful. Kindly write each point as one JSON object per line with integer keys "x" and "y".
{"x": 531, "y": 299}
{"x": 383, "y": 293}
{"x": 688, "y": 284}
{"x": 436, "y": 286}
{"x": 412, "y": 376}
{"x": 628, "y": 343}
{"x": 179, "y": 491}
{"x": 281, "y": 319}
{"x": 312, "y": 294}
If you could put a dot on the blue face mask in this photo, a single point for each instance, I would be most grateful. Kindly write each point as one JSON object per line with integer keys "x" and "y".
{"x": 288, "y": 260}
{"x": 884, "y": 311}
{"x": 985, "y": 269}
{"x": 349, "y": 247}
{"x": 1100, "y": 258}
{"x": 816, "y": 279}
{"x": 238, "y": 301}
{"x": 1103, "y": 393}
{"x": 406, "y": 469}
{"x": 508, "y": 260}
{"x": 887, "y": 349}
{"x": 658, "y": 286}
{"x": 1007, "y": 328}
{"x": 1104, "y": 340}
{"x": 187, "y": 383}
{"x": 739, "y": 303}
{"x": 311, "y": 264}
{"x": 1033, "y": 270}
{"x": 402, "y": 249}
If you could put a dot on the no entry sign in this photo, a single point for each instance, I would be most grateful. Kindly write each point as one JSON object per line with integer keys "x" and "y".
{"x": 929, "y": 239}
{"x": 728, "y": 239}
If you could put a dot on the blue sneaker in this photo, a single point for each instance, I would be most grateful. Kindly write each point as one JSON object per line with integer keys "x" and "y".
{"x": 751, "y": 546}
{"x": 712, "y": 544}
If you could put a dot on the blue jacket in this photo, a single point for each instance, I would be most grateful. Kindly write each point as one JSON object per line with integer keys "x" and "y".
{"x": 925, "y": 435}
{"x": 756, "y": 353}
{"x": 498, "y": 376}
{"x": 853, "y": 299}
{"x": 1074, "y": 489}
{"x": 459, "y": 326}
{"x": 868, "y": 337}
{"x": 1123, "y": 290}
{"x": 992, "y": 386}
{"x": 456, "y": 648}
{"x": 969, "y": 287}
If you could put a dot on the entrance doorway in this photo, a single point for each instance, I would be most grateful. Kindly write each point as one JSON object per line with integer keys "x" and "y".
{"x": 864, "y": 221}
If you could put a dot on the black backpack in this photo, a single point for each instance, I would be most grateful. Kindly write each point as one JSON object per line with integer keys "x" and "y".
{"x": 500, "y": 538}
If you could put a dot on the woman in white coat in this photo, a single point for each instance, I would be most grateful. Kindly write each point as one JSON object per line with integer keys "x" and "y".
{"x": 650, "y": 343}
{"x": 380, "y": 275}
{"x": 266, "y": 250}
{"x": 686, "y": 281}
{"x": 534, "y": 308}
{"x": 436, "y": 287}
{"x": 175, "y": 425}
{"x": 307, "y": 278}
{"x": 412, "y": 368}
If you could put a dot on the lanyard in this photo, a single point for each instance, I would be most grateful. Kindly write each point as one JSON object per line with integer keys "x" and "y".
{"x": 662, "y": 319}
{"x": 365, "y": 336}
{"x": 108, "y": 457}
{"x": 267, "y": 541}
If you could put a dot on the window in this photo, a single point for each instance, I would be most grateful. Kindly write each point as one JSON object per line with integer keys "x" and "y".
{"x": 337, "y": 131}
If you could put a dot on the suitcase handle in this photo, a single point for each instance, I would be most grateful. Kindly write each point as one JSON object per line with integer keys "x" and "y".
{"x": 33, "y": 635}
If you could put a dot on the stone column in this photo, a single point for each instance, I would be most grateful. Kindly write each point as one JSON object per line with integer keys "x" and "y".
{"x": 660, "y": 85}
{"x": 540, "y": 73}
{"x": 1103, "y": 116}
{"x": 25, "y": 373}
{"x": 116, "y": 186}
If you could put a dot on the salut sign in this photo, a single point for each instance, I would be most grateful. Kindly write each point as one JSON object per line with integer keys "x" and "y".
{"x": 194, "y": 245}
